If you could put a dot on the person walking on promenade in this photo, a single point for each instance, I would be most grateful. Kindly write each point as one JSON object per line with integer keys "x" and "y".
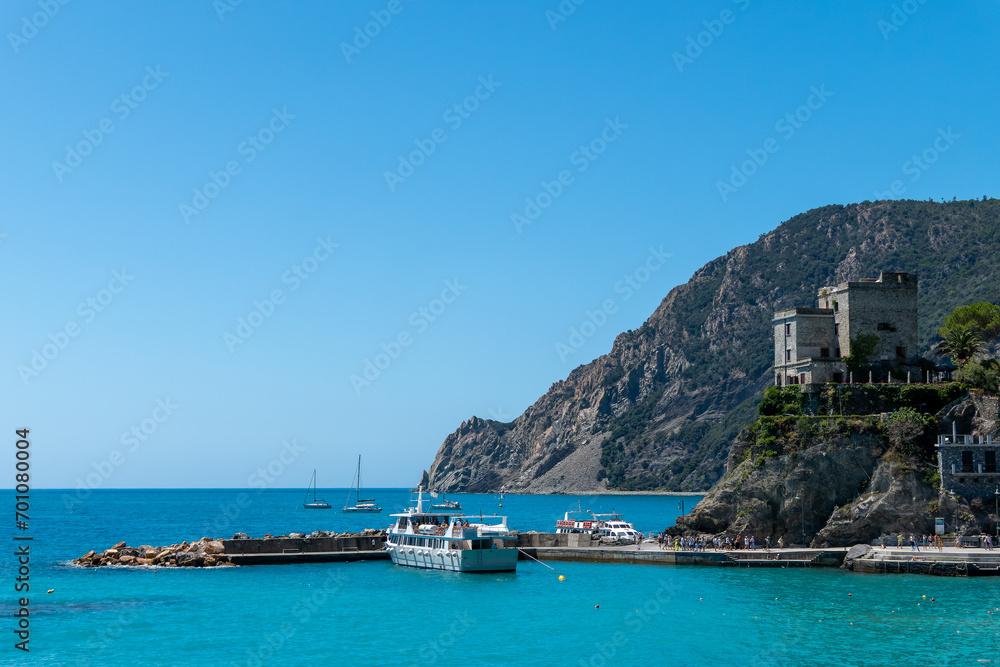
{"x": 940, "y": 542}
{"x": 899, "y": 541}
{"x": 913, "y": 543}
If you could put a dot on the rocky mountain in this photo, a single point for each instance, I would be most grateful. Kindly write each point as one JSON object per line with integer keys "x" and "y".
{"x": 660, "y": 410}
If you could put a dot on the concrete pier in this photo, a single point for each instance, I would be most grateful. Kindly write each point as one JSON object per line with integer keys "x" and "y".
{"x": 651, "y": 555}
{"x": 964, "y": 562}
{"x": 285, "y": 550}
{"x": 949, "y": 562}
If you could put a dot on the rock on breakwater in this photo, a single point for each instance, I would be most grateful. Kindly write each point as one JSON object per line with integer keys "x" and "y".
{"x": 206, "y": 552}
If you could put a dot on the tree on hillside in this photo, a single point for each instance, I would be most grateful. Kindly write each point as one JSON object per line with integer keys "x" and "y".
{"x": 961, "y": 344}
{"x": 862, "y": 349}
{"x": 981, "y": 318}
{"x": 981, "y": 374}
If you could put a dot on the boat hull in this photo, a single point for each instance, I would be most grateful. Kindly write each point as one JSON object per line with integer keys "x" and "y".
{"x": 455, "y": 560}
{"x": 317, "y": 506}
{"x": 362, "y": 510}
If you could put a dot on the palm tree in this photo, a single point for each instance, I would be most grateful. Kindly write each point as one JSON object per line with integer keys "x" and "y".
{"x": 961, "y": 344}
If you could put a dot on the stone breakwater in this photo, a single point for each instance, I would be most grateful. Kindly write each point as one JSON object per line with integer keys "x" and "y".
{"x": 211, "y": 552}
{"x": 206, "y": 552}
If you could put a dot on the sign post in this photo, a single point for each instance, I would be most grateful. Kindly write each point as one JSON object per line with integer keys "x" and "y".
{"x": 939, "y": 525}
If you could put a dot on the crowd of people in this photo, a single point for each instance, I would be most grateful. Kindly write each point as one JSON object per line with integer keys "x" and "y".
{"x": 925, "y": 541}
{"x": 727, "y": 543}
{"x": 749, "y": 542}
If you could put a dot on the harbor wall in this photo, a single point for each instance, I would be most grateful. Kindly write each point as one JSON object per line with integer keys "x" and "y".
{"x": 579, "y": 540}
{"x": 279, "y": 545}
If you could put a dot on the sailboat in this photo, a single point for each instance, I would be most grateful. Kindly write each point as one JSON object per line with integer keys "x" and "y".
{"x": 314, "y": 504}
{"x": 362, "y": 504}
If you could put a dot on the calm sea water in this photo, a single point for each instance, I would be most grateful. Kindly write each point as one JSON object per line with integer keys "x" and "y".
{"x": 379, "y": 614}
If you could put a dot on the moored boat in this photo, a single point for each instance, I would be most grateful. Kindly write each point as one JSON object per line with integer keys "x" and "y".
{"x": 443, "y": 504}
{"x": 446, "y": 540}
{"x": 609, "y": 527}
{"x": 361, "y": 504}
{"x": 315, "y": 503}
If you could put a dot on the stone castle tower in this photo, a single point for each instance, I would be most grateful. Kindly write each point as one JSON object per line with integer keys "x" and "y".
{"x": 810, "y": 343}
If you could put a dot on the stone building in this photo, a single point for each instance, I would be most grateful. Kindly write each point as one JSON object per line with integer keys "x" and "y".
{"x": 810, "y": 343}
{"x": 968, "y": 465}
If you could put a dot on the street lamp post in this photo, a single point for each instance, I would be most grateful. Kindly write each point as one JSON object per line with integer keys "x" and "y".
{"x": 996, "y": 510}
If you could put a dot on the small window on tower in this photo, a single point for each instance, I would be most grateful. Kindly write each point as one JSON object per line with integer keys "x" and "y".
{"x": 788, "y": 328}
{"x": 824, "y": 352}
{"x": 883, "y": 326}
{"x": 788, "y": 355}
{"x": 836, "y": 328}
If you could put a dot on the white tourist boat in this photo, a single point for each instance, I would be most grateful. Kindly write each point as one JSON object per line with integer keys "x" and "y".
{"x": 446, "y": 540}
{"x": 609, "y": 527}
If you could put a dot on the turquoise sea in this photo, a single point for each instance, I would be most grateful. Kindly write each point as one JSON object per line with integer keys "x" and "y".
{"x": 378, "y": 614}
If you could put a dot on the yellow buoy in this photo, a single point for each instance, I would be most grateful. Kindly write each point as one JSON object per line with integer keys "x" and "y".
{"x": 562, "y": 578}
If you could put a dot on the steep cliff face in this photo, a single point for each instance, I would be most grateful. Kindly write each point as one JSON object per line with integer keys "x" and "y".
{"x": 828, "y": 482}
{"x": 660, "y": 410}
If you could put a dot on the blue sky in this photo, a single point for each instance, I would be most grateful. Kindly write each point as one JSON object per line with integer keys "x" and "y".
{"x": 580, "y": 173}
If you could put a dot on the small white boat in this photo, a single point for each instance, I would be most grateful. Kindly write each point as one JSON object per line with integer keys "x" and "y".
{"x": 446, "y": 505}
{"x": 609, "y": 527}
{"x": 315, "y": 503}
{"x": 361, "y": 504}
{"x": 447, "y": 541}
